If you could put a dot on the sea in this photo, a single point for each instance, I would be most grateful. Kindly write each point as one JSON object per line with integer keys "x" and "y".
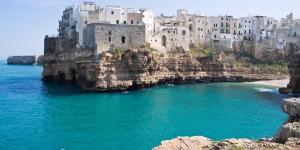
{"x": 37, "y": 115}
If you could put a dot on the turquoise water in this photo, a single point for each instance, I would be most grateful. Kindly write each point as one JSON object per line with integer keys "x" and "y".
{"x": 34, "y": 115}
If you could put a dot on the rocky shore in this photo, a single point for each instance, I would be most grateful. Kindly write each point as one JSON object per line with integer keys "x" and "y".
{"x": 287, "y": 138}
{"x": 133, "y": 69}
{"x": 25, "y": 60}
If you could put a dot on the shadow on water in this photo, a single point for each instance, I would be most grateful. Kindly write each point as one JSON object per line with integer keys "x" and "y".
{"x": 61, "y": 89}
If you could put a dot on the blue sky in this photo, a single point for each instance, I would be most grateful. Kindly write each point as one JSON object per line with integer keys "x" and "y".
{"x": 24, "y": 23}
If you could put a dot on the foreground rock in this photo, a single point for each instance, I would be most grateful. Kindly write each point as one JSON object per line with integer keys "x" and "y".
{"x": 294, "y": 69}
{"x": 138, "y": 69}
{"x": 25, "y": 60}
{"x": 288, "y": 137}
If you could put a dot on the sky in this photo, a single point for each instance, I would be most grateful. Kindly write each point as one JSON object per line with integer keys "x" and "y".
{"x": 24, "y": 23}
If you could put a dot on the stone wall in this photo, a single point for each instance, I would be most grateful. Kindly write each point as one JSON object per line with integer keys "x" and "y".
{"x": 103, "y": 37}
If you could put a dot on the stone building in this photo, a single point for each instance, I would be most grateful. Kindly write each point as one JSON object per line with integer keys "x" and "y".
{"x": 103, "y": 37}
{"x": 255, "y": 35}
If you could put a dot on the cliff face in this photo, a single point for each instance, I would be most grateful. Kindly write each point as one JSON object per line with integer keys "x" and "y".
{"x": 137, "y": 69}
{"x": 288, "y": 137}
{"x": 294, "y": 69}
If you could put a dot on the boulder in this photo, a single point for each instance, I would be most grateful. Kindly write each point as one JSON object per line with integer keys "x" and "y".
{"x": 292, "y": 107}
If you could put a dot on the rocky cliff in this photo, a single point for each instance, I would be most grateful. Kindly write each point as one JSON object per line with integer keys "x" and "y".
{"x": 294, "y": 69}
{"x": 131, "y": 69}
{"x": 288, "y": 137}
{"x": 25, "y": 60}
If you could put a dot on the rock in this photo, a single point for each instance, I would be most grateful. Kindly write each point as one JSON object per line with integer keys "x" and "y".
{"x": 285, "y": 90}
{"x": 40, "y": 60}
{"x": 289, "y": 130}
{"x": 202, "y": 143}
{"x": 186, "y": 143}
{"x": 292, "y": 107}
{"x": 25, "y": 60}
{"x": 294, "y": 70}
{"x": 135, "y": 69}
{"x": 21, "y": 60}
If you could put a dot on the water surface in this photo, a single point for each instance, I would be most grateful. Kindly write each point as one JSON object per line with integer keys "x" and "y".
{"x": 34, "y": 115}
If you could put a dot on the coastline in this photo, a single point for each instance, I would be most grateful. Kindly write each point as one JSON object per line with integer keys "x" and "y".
{"x": 274, "y": 83}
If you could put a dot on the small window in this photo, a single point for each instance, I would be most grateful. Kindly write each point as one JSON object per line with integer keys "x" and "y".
{"x": 124, "y": 22}
{"x": 183, "y": 32}
{"x": 131, "y": 21}
{"x": 123, "y": 39}
{"x": 112, "y": 12}
{"x": 109, "y": 39}
{"x": 109, "y": 33}
{"x": 117, "y": 22}
{"x": 295, "y": 34}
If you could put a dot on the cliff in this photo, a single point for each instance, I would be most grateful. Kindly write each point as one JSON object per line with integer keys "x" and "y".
{"x": 25, "y": 60}
{"x": 288, "y": 137}
{"x": 294, "y": 69}
{"x": 132, "y": 69}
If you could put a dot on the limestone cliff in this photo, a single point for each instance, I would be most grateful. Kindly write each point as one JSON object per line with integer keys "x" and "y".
{"x": 288, "y": 137}
{"x": 115, "y": 71}
{"x": 294, "y": 68}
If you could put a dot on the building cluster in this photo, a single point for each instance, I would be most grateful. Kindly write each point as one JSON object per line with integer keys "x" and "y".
{"x": 88, "y": 26}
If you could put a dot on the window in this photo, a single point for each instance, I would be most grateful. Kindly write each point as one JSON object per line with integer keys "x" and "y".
{"x": 112, "y": 12}
{"x": 117, "y": 22}
{"x": 215, "y": 36}
{"x": 109, "y": 39}
{"x": 183, "y": 32}
{"x": 249, "y": 31}
{"x": 131, "y": 21}
{"x": 191, "y": 27}
{"x": 295, "y": 34}
{"x": 109, "y": 33}
{"x": 164, "y": 41}
{"x": 124, "y": 22}
{"x": 123, "y": 39}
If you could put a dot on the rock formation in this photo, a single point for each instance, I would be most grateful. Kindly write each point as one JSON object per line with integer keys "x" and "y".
{"x": 25, "y": 60}
{"x": 288, "y": 137}
{"x": 112, "y": 71}
{"x": 294, "y": 68}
